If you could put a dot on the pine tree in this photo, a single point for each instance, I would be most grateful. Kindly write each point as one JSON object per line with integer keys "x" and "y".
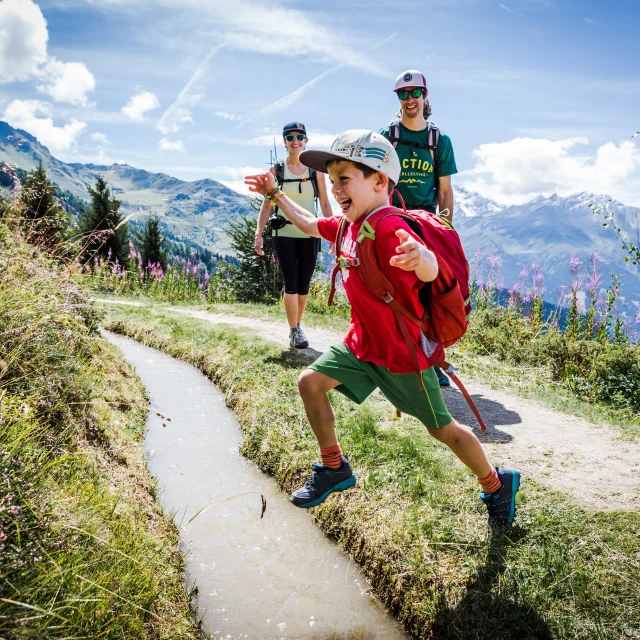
{"x": 152, "y": 243}
{"x": 42, "y": 217}
{"x": 257, "y": 278}
{"x": 102, "y": 225}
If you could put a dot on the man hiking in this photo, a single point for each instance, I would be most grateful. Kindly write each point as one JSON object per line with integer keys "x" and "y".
{"x": 426, "y": 155}
{"x": 363, "y": 168}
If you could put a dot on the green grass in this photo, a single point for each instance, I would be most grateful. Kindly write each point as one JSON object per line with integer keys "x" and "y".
{"x": 85, "y": 550}
{"x": 273, "y": 313}
{"x": 415, "y": 524}
{"x": 535, "y": 383}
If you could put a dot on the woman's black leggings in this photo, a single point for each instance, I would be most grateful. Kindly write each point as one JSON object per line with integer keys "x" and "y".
{"x": 297, "y": 258}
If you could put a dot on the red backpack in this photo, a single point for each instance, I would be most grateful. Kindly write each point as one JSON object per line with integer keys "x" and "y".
{"x": 446, "y": 300}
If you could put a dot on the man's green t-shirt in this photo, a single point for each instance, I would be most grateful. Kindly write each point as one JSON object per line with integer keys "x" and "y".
{"x": 416, "y": 168}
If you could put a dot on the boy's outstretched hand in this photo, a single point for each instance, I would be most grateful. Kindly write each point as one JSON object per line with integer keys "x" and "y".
{"x": 410, "y": 256}
{"x": 261, "y": 183}
{"x": 414, "y": 256}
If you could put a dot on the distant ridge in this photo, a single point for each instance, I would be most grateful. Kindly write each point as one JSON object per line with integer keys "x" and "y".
{"x": 548, "y": 230}
{"x": 196, "y": 211}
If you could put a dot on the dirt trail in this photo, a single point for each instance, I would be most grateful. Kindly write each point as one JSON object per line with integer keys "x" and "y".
{"x": 564, "y": 452}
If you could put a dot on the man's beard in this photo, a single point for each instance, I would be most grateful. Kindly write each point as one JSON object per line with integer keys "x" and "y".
{"x": 413, "y": 114}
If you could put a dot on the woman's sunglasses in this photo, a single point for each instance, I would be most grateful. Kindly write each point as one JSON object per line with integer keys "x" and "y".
{"x": 414, "y": 93}
{"x": 290, "y": 137}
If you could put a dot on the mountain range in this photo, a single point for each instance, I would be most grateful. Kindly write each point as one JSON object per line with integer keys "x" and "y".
{"x": 548, "y": 230}
{"x": 196, "y": 211}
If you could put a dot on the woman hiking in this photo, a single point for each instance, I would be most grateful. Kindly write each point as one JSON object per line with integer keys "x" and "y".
{"x": 296, "y": 252}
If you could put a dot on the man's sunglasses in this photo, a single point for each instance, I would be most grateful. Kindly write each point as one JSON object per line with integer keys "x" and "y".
{"x": 414, "y": 93}
{"x": 290, "y": 137}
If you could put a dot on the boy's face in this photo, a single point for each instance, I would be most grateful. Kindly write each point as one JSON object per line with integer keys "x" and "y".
{"x": 356, "y": 195}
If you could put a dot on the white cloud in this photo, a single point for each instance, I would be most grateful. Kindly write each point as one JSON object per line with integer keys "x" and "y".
{"x": 100, "y": 138}
{"x": 179, "y": 113}
{"x": 168, "y": 145}
{"x": 68, "y": 82}
{"x": 256, "y": 26}
{"x": 290, "y": 98}
{"x": 229, "y": 116}
{"x": 139, "y": 104}
{"x": 23, "y": 55}
{"x": 515, "y": 171}
{"x": 23, "y": 40}
{"x": 25, "y": 114}
{"x": 233, "y": 177}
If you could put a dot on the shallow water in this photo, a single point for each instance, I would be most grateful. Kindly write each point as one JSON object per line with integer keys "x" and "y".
{"x": 260, "y": 579}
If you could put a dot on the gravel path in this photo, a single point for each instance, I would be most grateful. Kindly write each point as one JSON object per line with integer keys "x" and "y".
{"x": 561, "y": 451}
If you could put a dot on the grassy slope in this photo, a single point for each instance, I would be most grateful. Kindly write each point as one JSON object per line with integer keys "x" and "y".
{"x": 415, "y": 524}
{"x": 529, "y": 382}
{"x": 85, "y": 551}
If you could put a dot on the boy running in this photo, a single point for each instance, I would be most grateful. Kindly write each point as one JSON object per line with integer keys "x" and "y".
{"x": 363, "y": 168}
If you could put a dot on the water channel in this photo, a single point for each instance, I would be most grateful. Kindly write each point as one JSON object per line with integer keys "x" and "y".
{"x": 269, "y": 578}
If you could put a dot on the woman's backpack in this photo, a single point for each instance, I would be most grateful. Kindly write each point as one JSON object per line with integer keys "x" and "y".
{"x": 277, "y": 221}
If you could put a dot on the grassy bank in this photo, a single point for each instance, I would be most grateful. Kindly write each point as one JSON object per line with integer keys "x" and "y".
{"x": 534, "y": 380}
{"x": 85, "y": 551}
{"x": 415, "y": 524}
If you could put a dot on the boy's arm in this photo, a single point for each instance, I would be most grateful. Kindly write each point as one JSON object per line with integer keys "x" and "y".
{"x": 263, "y": 183}
{"x": 412, "y": 255}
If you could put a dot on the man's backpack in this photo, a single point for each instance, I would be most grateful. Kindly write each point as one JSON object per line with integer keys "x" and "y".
{"x": 431, "y": 143}
{"x": 277, "y": 221}
{"x": 446, "y": 300}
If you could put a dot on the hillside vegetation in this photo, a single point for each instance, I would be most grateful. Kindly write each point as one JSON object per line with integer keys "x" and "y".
{"x": 85, "y": 551}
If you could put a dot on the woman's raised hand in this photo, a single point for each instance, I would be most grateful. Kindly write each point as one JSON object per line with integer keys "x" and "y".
{"x": 261, "y": 183}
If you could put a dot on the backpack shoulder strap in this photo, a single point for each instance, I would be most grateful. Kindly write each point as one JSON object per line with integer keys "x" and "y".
{"x": 433, "y": 137}
{"x": 369, "y": 267}
{"x": 340, "y": 235}
{"x": 313, "y": 176}
{"x": 279, "y": 172}
{"x": 394, "y": 134}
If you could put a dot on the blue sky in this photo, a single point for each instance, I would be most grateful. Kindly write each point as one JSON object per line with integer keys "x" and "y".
{"x": 538, "y": 96}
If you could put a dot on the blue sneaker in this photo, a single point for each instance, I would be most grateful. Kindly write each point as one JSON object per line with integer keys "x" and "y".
{"x": 501, "y": 504}
{"x": 323, "y": 482}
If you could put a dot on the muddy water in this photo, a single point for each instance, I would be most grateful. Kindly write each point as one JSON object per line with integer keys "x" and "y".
{"x": 260, "y": 579}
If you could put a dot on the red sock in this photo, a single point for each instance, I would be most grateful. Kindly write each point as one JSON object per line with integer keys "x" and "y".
{"x": 491, "y": 483}
{"x": 331, "y": 457}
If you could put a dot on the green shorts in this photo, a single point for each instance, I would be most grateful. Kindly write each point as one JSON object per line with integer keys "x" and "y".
{"x": 358, "y": 379}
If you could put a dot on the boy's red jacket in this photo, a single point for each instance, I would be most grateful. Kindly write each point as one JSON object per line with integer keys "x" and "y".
{"x": 374, "y": 335}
